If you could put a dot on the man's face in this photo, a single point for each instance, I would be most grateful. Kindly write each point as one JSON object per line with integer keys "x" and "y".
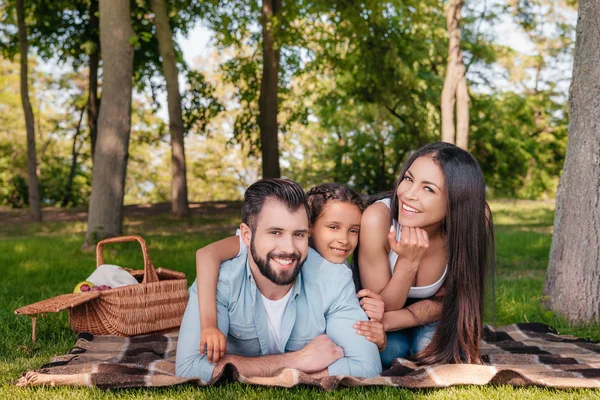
{"x": 279, "y": 244}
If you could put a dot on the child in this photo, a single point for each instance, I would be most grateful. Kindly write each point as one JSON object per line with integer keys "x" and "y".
{"x": 335, "y": 213}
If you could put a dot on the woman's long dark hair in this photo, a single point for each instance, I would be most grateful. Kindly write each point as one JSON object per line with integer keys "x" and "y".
{"x": 468, "y": 229}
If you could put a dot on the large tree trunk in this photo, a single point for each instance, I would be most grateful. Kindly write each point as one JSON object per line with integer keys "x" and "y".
{"x": 267, "y": 102}
{"x": 455, "y": 91}
{"x": 32, "y": 176}
{"x": 573, "y": 280}
{"x": 179, "y": 199}
{"x": 93, "y": 106}
{"x": 105, "y": 217}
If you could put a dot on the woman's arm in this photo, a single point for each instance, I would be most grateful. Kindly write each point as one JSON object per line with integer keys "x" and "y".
{"x": 374, "y": 267}
{"x": 420, "y": 313}
{"x": 208, "y": 262}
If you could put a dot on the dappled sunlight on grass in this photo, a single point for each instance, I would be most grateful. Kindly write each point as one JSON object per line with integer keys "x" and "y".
{"x": 523, "y": 213}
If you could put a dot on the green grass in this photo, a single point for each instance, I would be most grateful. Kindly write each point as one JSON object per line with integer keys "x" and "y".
{"x": 38, "y": 261}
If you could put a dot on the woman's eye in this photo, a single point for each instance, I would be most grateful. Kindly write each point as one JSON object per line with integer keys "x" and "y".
{"x": 408, "y": 178}
{"x": 427, "y": 188}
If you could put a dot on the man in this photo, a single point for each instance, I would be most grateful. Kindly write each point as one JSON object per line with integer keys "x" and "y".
{"x": 282, "y": 305}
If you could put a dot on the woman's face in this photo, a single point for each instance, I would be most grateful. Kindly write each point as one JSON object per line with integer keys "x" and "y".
{"x": 422, "y": 199}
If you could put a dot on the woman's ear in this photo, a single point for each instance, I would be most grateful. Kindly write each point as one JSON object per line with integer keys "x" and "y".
{"x": 245, "y": 234}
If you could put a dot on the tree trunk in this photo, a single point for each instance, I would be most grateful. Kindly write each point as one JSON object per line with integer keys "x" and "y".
{"x": 462, "y": 111}
{"x": 93, "y": 100}
{"x": 74, "y": 154}
{"x": 455, "y": 91}
{"x": 105, "y": 217}
{"x": 573, "y": 279}
{"x": 179, "y": 198}
{"x": 267, "y": 101}
{"x": 32, "y": 175}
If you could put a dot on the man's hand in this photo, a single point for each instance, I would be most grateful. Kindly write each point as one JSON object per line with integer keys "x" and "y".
{"x": 317, "y": 355}
{"x": 372, "y": 303}
{"x": 411, "y": 247}
{"x": 373, "y": 331}
{"x": 215, "y": 343}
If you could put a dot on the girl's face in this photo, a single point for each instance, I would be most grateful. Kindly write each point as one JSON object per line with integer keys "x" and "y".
{"x": 422, "y": 199}
{"x": 335, "y": 232}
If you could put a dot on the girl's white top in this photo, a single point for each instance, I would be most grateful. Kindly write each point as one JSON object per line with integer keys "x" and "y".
{"x": 415, "y": 292}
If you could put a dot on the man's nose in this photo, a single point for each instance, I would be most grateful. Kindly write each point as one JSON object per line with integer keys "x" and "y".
{"x": 287, "y": 244}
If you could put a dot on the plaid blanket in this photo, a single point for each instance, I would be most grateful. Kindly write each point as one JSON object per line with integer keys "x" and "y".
{"x": 521, "y": 354}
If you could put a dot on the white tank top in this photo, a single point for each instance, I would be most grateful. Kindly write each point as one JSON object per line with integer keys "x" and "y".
{"x": 415, "y": 292}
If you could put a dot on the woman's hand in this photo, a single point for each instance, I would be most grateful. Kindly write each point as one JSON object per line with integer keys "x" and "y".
{"x": 215, "y": 343}
{"x": 372, "y": 303}
{"x": 411, "y": 247}
{"x": 373, "y": 331}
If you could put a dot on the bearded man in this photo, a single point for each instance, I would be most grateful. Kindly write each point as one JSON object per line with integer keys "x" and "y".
{"x": 282, "y": 305}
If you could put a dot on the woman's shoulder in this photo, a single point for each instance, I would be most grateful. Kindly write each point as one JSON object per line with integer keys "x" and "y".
{"x": 375, "y": 224}
{"x": 376, "y": 214}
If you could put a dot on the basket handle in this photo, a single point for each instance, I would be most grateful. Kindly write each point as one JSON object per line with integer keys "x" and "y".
{"x": 149, "y": 271}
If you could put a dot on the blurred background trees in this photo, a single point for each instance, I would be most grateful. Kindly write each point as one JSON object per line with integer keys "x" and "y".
{"x": 348, "y": 90}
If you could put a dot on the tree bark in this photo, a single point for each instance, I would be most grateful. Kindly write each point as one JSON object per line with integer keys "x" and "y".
{"x": 268, "y": 102}
{"x": 93, "y": 106}
{"x": 455, "y": 91}
{"x": 179, "y": 197}
{"x": 573, "y": 278}
{"x": 105, "y": 217}
{"x": 74, "y": 155}
{"x": 32, "y": 174}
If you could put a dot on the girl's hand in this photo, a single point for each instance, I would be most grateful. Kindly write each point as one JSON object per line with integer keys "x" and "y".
{"x": 373, "y": 331}
{"x": 372, "y": 303}
{"x": 411, "y": 247}
{"x": 215, "y": 343}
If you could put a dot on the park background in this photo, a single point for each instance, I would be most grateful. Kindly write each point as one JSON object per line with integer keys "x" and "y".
{"x": 314, "y": 91}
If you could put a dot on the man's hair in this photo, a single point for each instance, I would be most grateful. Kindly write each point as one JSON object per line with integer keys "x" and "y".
{"x": 284, "y": 190}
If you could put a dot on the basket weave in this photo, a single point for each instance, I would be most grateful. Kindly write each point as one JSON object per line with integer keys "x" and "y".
{"x": 155, "y": 304}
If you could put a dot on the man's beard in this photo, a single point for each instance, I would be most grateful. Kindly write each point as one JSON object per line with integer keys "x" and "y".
{"x": 264, "y": 265}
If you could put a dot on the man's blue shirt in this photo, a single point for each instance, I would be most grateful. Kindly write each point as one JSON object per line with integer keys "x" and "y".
{"x": 323, "y": 300}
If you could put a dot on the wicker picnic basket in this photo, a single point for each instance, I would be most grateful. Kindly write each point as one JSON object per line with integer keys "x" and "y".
{"x": 155, "y": 304}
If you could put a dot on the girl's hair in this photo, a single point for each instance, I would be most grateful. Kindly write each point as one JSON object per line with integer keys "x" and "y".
{"x": 468, "y": 228}
{"x": 319, "y": 195}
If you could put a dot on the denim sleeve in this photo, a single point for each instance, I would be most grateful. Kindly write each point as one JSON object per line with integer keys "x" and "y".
{"x": 361, "y": 357}
{"x": 189, "y": 362}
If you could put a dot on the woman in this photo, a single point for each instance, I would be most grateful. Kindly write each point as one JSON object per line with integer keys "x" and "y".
{"x": 425, "y": 250}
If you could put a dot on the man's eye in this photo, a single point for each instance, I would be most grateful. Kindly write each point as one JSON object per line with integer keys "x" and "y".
{"x": 300, "y": 234}
{"x": 275, "y": 233}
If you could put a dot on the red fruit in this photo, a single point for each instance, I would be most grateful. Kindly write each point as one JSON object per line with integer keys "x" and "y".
{"x": 96, "y": 288}
{"x": 85, "y": 288}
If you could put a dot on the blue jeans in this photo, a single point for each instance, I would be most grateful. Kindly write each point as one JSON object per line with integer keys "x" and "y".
{"x": 406, "y": 343}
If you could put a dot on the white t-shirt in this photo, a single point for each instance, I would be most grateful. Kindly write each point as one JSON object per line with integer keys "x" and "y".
{"x": 275, "y": 310}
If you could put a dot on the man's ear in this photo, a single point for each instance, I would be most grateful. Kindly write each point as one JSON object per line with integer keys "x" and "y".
{"x": 245, "y": 234}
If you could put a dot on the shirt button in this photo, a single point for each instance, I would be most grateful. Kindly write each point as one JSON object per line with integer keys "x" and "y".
{"x": 237, "y": 334}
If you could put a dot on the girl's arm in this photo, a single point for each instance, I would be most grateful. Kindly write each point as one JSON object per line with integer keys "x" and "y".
{"x": 208, "y": 262}
{"x": 374, "y": 266}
